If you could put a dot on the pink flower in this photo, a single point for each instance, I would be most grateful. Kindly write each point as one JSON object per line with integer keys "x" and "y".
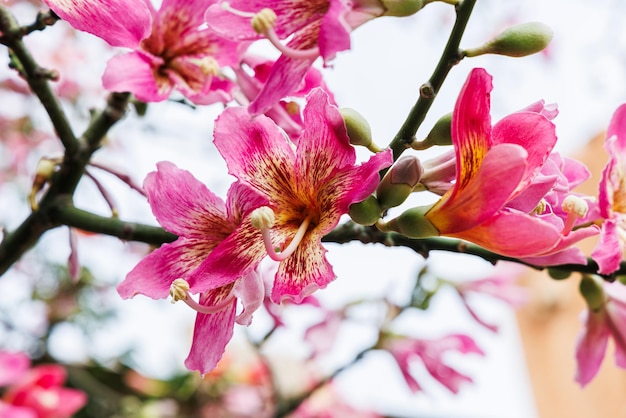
{"x": 12, "y": 366}
{"x": 319, "y": 28}
{"x": 210, "y": 233}
{"x": 612, "y": 197}
{"x": 405, "y": 350}
{"x": 285, "y": 113}
{"x": 40, "y": 391}
{"x": 606, "y": 317}
{"x": 494, "y": 166}
{"x": 170, "y": 49}
{"x": 308, "y": 186}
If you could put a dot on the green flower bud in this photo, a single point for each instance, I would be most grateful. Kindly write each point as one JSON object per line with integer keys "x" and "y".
{"x": 358, "y": 129}
{"x": 516, "y": 41}
{"x": 401, "y": 8}
{"x": 399, "y": 181}
{"x": 366, "y": 212}
{"x": 591, "y": 289}
{"x": 440, "y": 134}
{"x": 412, "y": 223}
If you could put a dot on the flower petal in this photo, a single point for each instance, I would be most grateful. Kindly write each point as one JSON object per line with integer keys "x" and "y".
{"x": 185, "y": 206}
{"x": 134, "y": 72}
{"x": 471, "y": 126}
{"x": 250, "y": 290}
{"x": 591, "y": 346}
{"x": 211, "y": 333}
{"x": 154, "y": 274}
{"x": 532, "y": 131}
{"x": 334, "y": 34}
{"x": 119, "y": 22}
{"x": 608, "y": 251}
{"x": 483, "y": 194}
{"x": 303, "y": 273}
{"x": 617, "y": 127}
{"x": 255, "y": 150}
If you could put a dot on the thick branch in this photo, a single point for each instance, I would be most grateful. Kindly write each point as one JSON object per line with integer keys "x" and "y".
{"x": 449, "y": 58}
{"x": 36, "y": 77}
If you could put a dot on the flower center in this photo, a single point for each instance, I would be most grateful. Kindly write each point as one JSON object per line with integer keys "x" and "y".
{"x": 263, "y": 218}
{"x": 179, "y": 290}
{"x": 263, "y": 23}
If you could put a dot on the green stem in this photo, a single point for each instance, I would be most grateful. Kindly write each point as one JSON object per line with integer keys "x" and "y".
{"x": 428, "y": 91}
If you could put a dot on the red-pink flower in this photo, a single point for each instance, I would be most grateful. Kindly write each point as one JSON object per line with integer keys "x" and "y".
{"x": 39, "y": 392}
{"x": 317, "y": 28}
{"x": 309, "y": 186}
{"x": 210, "y": 232}
{"x": 612, "y": 197}
{"x": 605, "y": 317}
{"x": 170, "y": 48}
{"x": 405, "y": 350}
{"x": 495, "y": 165}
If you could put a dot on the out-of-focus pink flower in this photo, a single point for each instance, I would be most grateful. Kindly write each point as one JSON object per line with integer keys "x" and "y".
{"x": 605, "y": 317}
{"x": 327, "y": 403}
{"x": 612, "y": 197}
{"x": 319, "y": 28}
{"x": 211, "y": 233}
{"x": 308, "y": 187}
{"x": 500, "y": 285}
{"x": 405, "y": 350}
{"x": 40, "y": 390}
{"x": 12, "y": 366}
{"x": 170, "y": 48}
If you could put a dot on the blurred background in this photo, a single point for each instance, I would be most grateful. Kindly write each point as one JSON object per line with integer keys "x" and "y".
{"x": 130, "y": 353}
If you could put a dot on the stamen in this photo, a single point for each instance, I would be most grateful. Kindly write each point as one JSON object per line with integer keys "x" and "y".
{"x": 263, "y": 219}
{"x": 179, "y": 290}
{"x": 540, "y": 208}
{"x": 263, "y": 21}
{"x": 287, "y": 51}
{"x": 576, "y": 207}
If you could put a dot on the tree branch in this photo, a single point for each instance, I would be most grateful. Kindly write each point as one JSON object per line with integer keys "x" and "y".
{"x": 428, "y": 91}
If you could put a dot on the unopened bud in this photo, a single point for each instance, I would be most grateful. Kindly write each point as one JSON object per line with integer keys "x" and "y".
{"x": 517, "y": 41}
{"x": 558, "y": 274}
{"x": 358, "y": 129}
{"x": 43, "y": 173}
{"x": 440, "y": 134}
{"x": 591, "y": 289}
{"x": 366, "y": 212}
{"x": 411, "y": 223}
{"x": 399, "y": 181}
{"x": 401, "y": 8}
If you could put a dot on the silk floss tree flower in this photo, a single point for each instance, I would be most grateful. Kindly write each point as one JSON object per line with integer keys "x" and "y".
{"x": 612, "y": 197}
{"x": 170, "y": 49}
{"x": 494, "y": 166}
{"x": 606, "y": 317}
{"x": 317, "y": 28}
{"x": 308, "y": 186}
{"x": 212, "y": 233}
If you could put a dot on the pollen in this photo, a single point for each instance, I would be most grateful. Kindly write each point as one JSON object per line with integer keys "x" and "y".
{"x": 575, "y": 205}
{"x": 262, "y": 217}
{"x": 263, "y": 21}
{"x": 179, "y": 289}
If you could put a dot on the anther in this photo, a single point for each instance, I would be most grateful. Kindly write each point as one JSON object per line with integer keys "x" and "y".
{"x": 263, "y": 219}
{"x": 263, "y": 21}
{"x": 576, "y": 207}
